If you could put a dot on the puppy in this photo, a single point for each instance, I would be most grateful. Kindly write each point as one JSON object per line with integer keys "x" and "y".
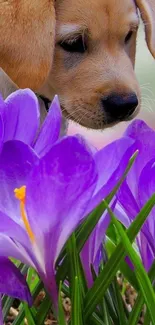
{"x": 90, "y": 54}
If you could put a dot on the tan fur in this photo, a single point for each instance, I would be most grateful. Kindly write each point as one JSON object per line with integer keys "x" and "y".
{"x": 27, "y": 32}
{"x": 79, "y": 80}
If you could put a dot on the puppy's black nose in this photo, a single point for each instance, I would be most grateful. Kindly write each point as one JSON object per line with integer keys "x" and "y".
{"x": 119, "y": 107}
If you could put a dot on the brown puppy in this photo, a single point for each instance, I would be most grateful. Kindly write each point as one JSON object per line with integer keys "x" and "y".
{"x": 93, "y": 66}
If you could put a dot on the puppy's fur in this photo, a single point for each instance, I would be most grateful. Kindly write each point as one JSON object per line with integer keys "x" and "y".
{"x": 32, "y": 50}
{"x": 27, "y": 36}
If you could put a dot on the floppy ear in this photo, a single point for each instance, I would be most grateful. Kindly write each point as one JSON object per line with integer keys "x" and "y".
{"x": 147, "y": 10}
{"x": 27, "y": 36}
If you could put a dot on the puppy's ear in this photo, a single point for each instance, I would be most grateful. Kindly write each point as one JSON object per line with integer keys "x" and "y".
{"x": 147, "y": 10}
{"x": 27, "y": 37}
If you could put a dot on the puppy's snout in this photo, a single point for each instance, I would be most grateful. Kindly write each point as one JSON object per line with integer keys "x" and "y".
{"x": 119, "y": 107}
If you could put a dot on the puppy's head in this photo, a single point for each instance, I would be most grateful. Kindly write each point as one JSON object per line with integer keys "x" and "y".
{"x": 92, "y": 70}
{"x": 93, "y": 67}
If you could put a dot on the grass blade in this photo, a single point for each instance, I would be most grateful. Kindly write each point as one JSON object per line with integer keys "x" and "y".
{"x": 134, "y": 315}
{"x": 61, "y": 316}
{"x": 142, "y": 276}
{"x": 96, "y": 293}
{"x": 120, "y": 305}
{"x": 28, "y": 314}
{"x": 76, "y": 281}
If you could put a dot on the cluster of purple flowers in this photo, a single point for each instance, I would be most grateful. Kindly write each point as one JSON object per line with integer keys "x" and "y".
{"x": 50, "y": 184}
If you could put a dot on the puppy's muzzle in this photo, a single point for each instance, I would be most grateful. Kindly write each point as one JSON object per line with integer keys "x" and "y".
{"x": 119, "y": 107}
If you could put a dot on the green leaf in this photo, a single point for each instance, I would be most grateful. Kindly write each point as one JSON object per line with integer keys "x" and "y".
{"x": 95, "y": 320}
{"x": 96, "y": 293}
{"x": 73, "y": 259}
{"x": 120, "y": 305}
{"x": 90, "y": 223}
{"x": 32, "y": 279}
{"x": 61, "y": 316}
{"x": 7, "y": 305}
{"x": 106, "y": 314}
{"x": 76, "y": 318}
{"x": 147, "y": 320}
{"x": 142, "y": 276}
{"x": 28, "y": 314}
{"x": 111, "y": 304}
{"x": 124, "y": 267}
{"x": 76, "y": 281}
{"x": 135, "y": 313}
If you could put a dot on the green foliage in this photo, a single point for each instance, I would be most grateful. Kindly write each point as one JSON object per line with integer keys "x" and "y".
{"x": 103, "y": 303}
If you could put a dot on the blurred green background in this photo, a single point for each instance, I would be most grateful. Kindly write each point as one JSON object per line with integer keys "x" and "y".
{"x": 145, "y": 70}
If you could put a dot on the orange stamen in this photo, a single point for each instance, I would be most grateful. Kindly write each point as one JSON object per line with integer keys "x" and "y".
{"x": 20, "y": 194}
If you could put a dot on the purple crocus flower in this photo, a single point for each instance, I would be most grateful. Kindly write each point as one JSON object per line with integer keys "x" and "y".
{"x": 20, "y": 119}
{"x": 47, "y": 206}
{"x": 43, "y": 200}
{"x": 134, "y": 193}
{"x": 39, "y": 220}
{"x": 116, "y": 156}
{"x": 138, "y": 188}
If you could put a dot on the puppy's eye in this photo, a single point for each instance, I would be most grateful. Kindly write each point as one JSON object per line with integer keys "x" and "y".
{"x": 128, "y": 36}
{"x": 74, "y": 46}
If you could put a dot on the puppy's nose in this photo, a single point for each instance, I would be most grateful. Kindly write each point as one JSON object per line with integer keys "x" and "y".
{"x": 119, "y": 107}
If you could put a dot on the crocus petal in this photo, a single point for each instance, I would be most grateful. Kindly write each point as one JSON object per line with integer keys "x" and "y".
{"x": 90, "y": 147}
{"x": 14, "y": 234}
{"x": 128, "y": 201}
{"x": 111, "y": 163}
{"x": 12, "y": 229}
{"x": 146, "y": 254}
{"x": 11, "y": 248}
{"x": 144, "y": 138}
{"x": 146, "y": 184}
{"x": 92, "y": 246}
{"x": 1, "y": 133}
{"x": 16, "y": 161}
{"x": 1, "y": 315}
{"x": 50, "y": 130}
{"x": 58, "y": 193}
{"x": 55, "y": 185}
{"x": 21, "y": 116}
{"x": 146, "y": 188}
{"x": 122, "y": 215}
{"x": 14, "y": 284}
